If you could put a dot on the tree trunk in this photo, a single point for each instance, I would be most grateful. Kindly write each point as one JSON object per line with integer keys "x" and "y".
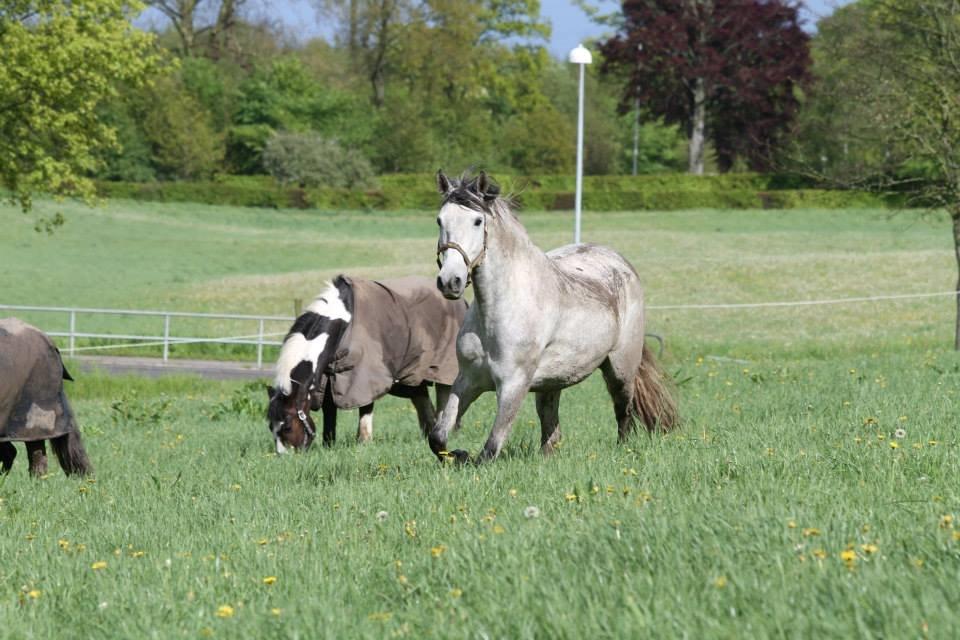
{"x": 955, "y": 215}
{"x": 698, "y": 128}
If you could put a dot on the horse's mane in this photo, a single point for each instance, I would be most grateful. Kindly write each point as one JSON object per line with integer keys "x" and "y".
{"x": 480, "y": 193}
{"x": 333, "y": 303}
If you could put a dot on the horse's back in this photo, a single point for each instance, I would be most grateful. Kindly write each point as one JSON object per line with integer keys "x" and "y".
{"x": 596, "y": 270}
{"x": 32, "y": 405}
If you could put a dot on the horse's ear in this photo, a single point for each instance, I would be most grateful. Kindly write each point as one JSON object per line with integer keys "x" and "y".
{"x": 443, "y": 182}
{"x": 487, "y": 187}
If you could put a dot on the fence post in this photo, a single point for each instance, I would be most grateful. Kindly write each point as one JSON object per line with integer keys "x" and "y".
{"x": 73, "y": 330}
{"x": 297, "y": 307}
{"x": 166, "y": 337}
{"x": 260, "y": 346}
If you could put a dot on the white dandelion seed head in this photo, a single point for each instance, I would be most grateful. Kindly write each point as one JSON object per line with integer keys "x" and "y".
{"x": 382, "y": 515}
{"x": 531, "y": 512}
{"x": 900, "y": 433}
{"x": 103, "y": 605}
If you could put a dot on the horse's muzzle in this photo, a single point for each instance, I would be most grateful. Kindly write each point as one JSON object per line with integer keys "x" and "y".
{"x": 451, "y": 289}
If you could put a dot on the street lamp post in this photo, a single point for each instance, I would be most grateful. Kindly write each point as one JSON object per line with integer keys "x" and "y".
{"x": 579, "y": 56}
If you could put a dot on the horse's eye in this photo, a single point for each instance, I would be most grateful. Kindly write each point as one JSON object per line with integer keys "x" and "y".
{"x": 478, "y": 222}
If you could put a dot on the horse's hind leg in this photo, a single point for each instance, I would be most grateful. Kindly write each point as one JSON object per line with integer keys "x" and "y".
{"x": 8, "y": 452}
{"x": 548, "y": 408}
{"x": 426, "y": 416}
{"x": 620, "y": 385}
{"x": 365, "y": 423}
{"x": 37, "y": 453}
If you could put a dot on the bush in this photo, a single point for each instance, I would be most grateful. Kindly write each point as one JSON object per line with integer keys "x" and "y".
{"x": 309, "y": 160}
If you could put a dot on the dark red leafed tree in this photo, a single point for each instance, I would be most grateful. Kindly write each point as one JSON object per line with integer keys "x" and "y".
{"x": 727, "y": 70}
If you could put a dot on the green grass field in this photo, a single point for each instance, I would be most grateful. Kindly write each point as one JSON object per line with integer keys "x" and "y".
{"x": 811, "y": 492}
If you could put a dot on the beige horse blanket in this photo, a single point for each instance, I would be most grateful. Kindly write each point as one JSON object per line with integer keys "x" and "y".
{"x": 32, "y": 403}
{"x": 403, "y": 332}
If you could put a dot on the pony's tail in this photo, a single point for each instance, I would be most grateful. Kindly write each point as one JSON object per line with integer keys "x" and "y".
{"x": 71, "y": 454}
{"x": 653, "y": 397}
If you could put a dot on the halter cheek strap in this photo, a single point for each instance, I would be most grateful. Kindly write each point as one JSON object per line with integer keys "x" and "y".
{"x": 471, "y": 264}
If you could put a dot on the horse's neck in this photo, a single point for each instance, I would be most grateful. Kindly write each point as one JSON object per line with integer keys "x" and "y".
{"x": 511, "y": 268}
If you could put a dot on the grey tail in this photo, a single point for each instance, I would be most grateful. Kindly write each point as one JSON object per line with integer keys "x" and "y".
{"x": 653, "y": 399}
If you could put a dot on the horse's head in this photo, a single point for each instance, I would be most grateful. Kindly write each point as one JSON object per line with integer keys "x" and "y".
{"x": 289, "y": 421}
{"x": 307, "y": 350}
{"x": 463, "y": 229}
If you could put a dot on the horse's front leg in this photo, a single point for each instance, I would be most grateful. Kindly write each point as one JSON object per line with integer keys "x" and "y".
{"x": 37, "y": 454}
{"x": 365, "y": 423}
{"x": 329, "y": 418}
{"x": 443, "y": 394}
{"x": 8, "y": 453}
{"x": 510, "y": 394}
{"x": 462, "y": 395}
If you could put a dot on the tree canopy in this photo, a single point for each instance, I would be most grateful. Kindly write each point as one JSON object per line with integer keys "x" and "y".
{"x": 60, "y": 61}
{"x": 725, "y": 70}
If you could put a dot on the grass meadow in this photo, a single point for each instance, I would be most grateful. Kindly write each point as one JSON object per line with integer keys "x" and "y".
{"x": 811, "y": 491}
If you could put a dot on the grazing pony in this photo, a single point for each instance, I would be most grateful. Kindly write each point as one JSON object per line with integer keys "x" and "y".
{"x": 33, "y": 407}
{"x": 539, "y": 322}
{"x": 358, "y": 341}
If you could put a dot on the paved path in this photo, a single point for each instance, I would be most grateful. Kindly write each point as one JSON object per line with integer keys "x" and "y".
{"x": 155, "y": 367}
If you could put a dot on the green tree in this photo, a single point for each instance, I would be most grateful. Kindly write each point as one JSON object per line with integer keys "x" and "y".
{"x": 60, "y": 61}
{"x": 184, "y": 142}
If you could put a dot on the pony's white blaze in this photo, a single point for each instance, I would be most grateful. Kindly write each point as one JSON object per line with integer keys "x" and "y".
{"x": 330, "y": 305}
{"x": 296, "y": 349}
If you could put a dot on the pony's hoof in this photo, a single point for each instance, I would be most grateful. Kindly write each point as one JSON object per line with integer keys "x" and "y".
{"x": 460, "y": 456}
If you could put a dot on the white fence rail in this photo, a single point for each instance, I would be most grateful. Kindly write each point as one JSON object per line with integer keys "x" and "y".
{"x": 167, "y": 338}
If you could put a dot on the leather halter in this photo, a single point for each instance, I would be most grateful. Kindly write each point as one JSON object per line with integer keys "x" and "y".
{"x": 471, "y": 264}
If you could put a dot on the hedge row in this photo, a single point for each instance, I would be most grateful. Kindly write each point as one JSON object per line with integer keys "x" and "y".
{"x": 601, "y": 193}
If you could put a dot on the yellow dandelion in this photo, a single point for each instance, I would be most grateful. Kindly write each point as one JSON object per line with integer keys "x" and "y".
{"x": 276, "y": 611}
{"x": 402, "y": 579}
{"x": 894, "y": 445}
{"x": 438, "y": 550}
{"x": 720, "y": 582}
{"x": 410, "y": 527}
{"x": 811, "y": 532}
{"x": 269, "y": 580}
{"x": 819, "y": 554}
{"x": 497, "y": 529}
{"x": 791, "y": 524}
{"x": 224, "y": 611}
{"x": 512, "y": 493}
{"x": 98, "y": 565}
{"x": 956, "y": 536}
{"x": 456, "y": 593}
{"x": 918, "y": 563}
{"x": 946, "y": 522}
{"x": 570, "y": 497}
{"x": 262, "y": 541}
{"x": 869, "y": 549}
{"x": 33, "y": 594}
{"x": 849, "y": 556}
{"x": 138, "y": 554}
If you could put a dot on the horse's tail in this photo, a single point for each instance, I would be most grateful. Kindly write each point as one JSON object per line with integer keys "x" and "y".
{"x": 653, "y": 397}
{"x": 71, "y": 454}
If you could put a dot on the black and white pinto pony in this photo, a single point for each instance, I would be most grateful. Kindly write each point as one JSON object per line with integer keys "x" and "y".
{"x": 539, "y": 321}
{"x": 356, "y": 342}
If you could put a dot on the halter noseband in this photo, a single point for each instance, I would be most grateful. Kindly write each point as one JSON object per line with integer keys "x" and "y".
{"x": 471, "y": 264}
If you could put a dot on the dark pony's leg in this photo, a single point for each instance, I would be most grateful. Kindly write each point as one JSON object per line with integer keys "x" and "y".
{"x": 329, "y": 417}
{"x": 548, "y": 408}
{"x": 71, "y": 454}
{"x": 37, "y": 453}
{"x": 365, "y": 423}
{"x": 8, "y": 452}
{"x": 426, "y": 416}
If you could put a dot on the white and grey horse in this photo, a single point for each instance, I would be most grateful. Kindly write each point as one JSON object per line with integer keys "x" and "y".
{"x": 540, "y": 321}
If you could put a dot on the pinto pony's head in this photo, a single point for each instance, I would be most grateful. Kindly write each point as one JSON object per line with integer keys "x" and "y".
{"x": 307, "y": 350}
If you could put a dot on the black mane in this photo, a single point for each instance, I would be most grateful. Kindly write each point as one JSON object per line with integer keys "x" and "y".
{"x": 473, "y": 192}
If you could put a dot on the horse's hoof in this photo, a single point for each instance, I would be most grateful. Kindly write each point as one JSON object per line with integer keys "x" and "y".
{"x": 460, "y": 456}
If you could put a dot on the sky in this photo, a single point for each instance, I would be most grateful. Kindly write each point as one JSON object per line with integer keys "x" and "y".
{"x": 570, "y": 26}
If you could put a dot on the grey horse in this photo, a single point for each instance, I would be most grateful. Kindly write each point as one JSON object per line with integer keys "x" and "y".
{"x": 33, "y": 407}
{"x": 540, "y": 322}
